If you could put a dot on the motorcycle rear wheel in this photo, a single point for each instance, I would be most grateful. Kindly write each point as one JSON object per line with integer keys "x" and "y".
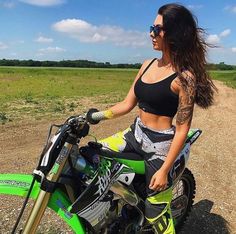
{"x": 183, "y": 198}
{"x": 181, "y": 204}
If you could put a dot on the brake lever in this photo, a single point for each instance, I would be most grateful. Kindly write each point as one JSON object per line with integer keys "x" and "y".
{"x": 76, "y": 120}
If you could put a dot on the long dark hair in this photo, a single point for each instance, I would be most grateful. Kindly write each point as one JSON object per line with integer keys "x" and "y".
{"x": 187, "y": 47}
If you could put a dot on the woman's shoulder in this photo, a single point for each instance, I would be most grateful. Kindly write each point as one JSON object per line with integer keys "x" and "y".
{"x": 184, "y": 81}
{"x": 146, "y": 63}
{"x": 187, "y": 74}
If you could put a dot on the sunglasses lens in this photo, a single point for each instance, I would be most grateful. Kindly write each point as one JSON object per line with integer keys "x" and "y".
{"x": 151, "y": 29}
{"x": 156, "y": 30}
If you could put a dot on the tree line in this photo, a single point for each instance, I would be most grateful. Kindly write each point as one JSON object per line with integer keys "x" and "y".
{"x": 65, "y": 63}
{"x": 220, "y": 66}
{"x": 92, "y": 64}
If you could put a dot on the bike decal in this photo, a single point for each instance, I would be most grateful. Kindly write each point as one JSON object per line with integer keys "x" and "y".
{"x": 68, "y": 215}
{"x": 55, "y": 168}
{"x": 96, "y": 191}
{"x": 105, "y": 175}
{"x": 96, "y": 213}
{"x": 194, "y": 135}
{"x": 104, "y": 166}
{"x": 15, "y": 183}
{"x": 10, "y": 184}
{"x": 126, "y": 178}
{"x": 103, "y": 182}
{"x": 64, "y": 152}
{"x": 46, "y": 157}
{"x": 186, "y": 150}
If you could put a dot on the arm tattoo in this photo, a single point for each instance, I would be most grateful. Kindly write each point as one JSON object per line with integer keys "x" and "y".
{"x": 184, "y": 112}
{"x": 186, "y": 103}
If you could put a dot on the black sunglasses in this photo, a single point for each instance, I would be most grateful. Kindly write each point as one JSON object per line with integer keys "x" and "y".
{"x": 156, "y": 29}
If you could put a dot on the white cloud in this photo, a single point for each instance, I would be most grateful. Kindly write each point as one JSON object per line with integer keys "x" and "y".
{"x": 234, "y": 49}
{"x": 213, "y": 39}
{"x": 225, "y": 33}
{"x": 88, "y": 33}
{"x": 3, "y": 46}
{"x": 43, "y": 3}
{"x": 216, "y": 38}
{"x": 42, "y": 39}
{"x": 51, "y": 50}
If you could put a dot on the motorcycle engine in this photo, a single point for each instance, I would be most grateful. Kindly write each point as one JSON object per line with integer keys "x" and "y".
{"x": 107, "y": 219}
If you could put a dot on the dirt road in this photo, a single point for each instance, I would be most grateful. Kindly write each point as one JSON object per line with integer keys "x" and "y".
{"x": 213, "y": 159}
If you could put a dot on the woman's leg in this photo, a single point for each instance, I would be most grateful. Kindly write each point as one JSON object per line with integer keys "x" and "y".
{"x": 157, "y": 204}
{"x": 156, "y": 145}
{"x": 118, "y": 141}
{"x": 153, "y": 146}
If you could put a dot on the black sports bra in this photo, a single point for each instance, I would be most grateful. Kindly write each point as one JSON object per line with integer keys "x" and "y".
{"x": 157, "y": 98}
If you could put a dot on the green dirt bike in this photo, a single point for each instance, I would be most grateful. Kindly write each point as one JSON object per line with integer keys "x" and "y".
{"x": 90, "y": 187}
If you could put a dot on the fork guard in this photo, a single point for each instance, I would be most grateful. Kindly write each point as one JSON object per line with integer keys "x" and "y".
{"x": 19, "y": 184}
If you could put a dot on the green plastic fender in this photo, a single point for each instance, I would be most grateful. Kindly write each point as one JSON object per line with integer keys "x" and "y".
{"x": 19, "y": 184}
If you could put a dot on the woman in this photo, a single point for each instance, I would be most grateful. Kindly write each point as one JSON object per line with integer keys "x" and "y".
{"x": 164, "y": 88}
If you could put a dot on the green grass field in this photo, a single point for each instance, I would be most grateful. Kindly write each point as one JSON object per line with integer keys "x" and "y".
{"x": 41, "y": 92}
{"x": 228, "y": 77}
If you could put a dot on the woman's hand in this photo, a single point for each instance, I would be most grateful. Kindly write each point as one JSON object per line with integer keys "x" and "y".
{"x": 159, "y": 180}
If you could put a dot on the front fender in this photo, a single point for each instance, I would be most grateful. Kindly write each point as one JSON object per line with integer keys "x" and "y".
{"x": 19, "y": 184}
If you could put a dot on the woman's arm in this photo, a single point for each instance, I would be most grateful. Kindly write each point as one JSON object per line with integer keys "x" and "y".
{"x": 183, "y": 122}
{"x": 130, "y": 101}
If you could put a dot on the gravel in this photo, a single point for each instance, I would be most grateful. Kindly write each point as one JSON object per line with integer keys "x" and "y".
{"x": 212, "y": 161}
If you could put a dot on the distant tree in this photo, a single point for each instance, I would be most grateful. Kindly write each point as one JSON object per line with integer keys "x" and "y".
{"x": 223, "y": 66}
{"x": 92, "y": 64}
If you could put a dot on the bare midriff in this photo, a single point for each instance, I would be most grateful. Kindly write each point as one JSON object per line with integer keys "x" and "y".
{"x": 156, "y": 122}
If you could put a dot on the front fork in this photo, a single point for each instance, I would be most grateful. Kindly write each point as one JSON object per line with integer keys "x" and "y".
{"x": 44, "y": 196}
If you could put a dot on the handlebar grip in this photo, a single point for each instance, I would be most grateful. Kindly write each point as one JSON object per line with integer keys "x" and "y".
{"x": 94, "y": 116}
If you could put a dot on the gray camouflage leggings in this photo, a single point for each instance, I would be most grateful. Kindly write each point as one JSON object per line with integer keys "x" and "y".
{"x": 153, "y": 146}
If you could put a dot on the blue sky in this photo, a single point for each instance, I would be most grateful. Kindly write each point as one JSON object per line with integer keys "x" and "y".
{"x": 104, "y": 31}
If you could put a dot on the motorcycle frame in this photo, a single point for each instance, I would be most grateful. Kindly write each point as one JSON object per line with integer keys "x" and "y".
{"x": 16, "y": 184}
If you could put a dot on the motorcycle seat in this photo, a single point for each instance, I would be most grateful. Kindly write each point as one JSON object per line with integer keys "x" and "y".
{"x": 121, "y": 155}
{"x": 96, "y": 148}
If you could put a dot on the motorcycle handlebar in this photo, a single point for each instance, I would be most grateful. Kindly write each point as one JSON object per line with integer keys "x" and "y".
{"x": 94, "y": 116}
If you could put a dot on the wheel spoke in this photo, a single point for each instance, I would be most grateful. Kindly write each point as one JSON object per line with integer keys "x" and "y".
{"x": 183, "y": 195}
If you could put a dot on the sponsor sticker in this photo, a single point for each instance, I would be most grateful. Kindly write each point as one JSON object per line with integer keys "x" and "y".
{"x": 15, "y": 183}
